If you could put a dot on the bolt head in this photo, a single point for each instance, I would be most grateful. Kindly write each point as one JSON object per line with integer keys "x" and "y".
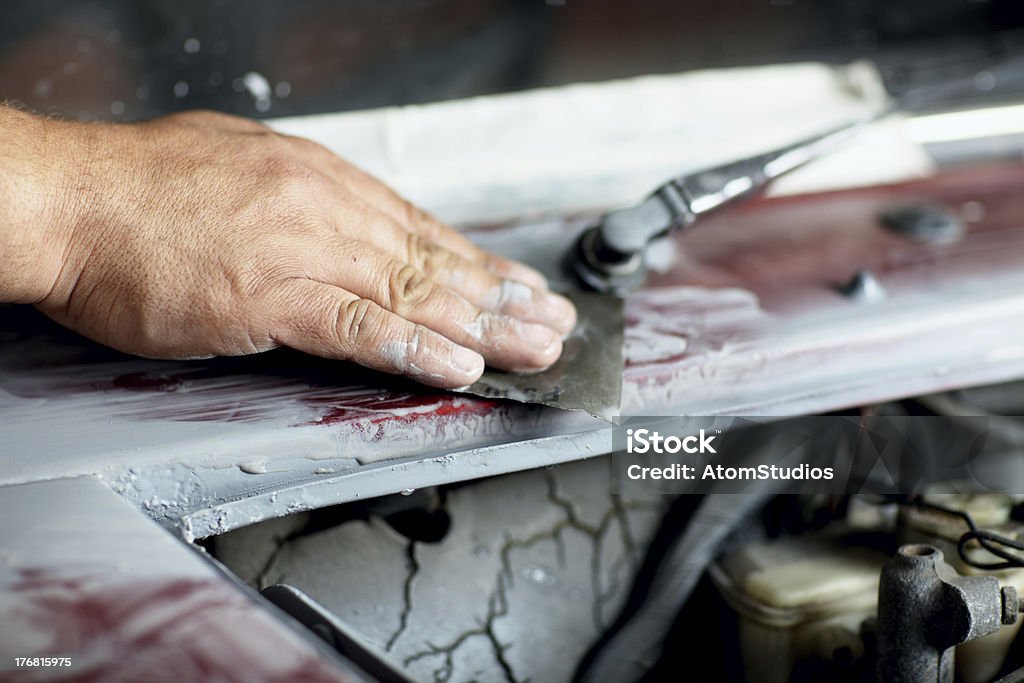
{"x": 1011, "y": 604}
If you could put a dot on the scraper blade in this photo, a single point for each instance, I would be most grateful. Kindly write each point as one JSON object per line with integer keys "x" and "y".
{"x": 588, "y": 376}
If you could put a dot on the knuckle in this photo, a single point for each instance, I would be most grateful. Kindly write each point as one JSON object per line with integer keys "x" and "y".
{"x": 426, "y": 255}
{"x": 356, "y": 323}
{"x": 407, "y": 286}
{"x": 419, "y": 344}
{"x": 414, "y": 250}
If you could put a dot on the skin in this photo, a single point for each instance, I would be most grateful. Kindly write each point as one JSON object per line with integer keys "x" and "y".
{"x": 202, "y": 234}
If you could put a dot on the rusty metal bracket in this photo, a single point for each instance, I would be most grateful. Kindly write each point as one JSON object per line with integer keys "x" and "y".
{"x": 925, "y": 608}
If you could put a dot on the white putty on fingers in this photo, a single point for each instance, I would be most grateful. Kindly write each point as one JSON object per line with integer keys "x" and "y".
{"x": 419, "y": 361}
{"x": 513, "y": 292}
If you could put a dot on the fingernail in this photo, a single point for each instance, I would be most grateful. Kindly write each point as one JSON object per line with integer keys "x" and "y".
{"x": 540, "y": 336}
{"x": 468, "y": 360}
{"x": 558, "y": 310}
{"x": 527, "y": 275}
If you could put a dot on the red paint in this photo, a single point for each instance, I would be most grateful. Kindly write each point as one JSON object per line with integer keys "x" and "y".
{"x": 159, "y": 629}
{"x": 376, "y": 409}
{"x": 382, "y": 414}
{"x": 147, "y": 381}
{"x": 795, "y": 251}
{"x": 789, "y": 253}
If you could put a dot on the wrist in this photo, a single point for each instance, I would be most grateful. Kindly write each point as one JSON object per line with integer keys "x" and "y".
{"x": 33, "y": 224}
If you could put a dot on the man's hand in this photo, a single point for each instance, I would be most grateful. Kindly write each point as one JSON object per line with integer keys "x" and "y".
{"x": 204, "y": 234}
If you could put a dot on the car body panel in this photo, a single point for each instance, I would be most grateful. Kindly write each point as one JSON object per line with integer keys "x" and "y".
{"x": 85, "y": 576}
{"x": 746, "y": 318}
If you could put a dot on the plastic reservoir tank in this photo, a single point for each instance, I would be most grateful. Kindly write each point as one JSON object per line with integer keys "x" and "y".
{"x": 800, "y": 604}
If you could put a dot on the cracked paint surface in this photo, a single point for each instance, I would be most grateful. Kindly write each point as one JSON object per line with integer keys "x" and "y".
{"x": 534, "y": 566}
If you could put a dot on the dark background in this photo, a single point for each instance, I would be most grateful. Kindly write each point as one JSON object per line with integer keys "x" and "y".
{"x": 134, "y": 59}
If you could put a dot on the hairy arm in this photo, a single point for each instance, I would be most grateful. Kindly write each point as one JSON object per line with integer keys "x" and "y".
{"x": 204, "y": 234}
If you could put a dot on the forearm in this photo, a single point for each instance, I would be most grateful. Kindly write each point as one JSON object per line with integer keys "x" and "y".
{"x": 30, "y": 252}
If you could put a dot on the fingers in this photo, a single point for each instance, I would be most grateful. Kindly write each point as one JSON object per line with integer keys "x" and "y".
{"x": 510, "y": 297}
{"x": 412, "y": 269}
{"x": 415, "y": 220}
{"x": 505, "y": 341}
{"x": 329, "y": 322}
{"x": 419, "y": 222}
{"x": 477, "y": 285}
{"x": 488, "y": 291}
